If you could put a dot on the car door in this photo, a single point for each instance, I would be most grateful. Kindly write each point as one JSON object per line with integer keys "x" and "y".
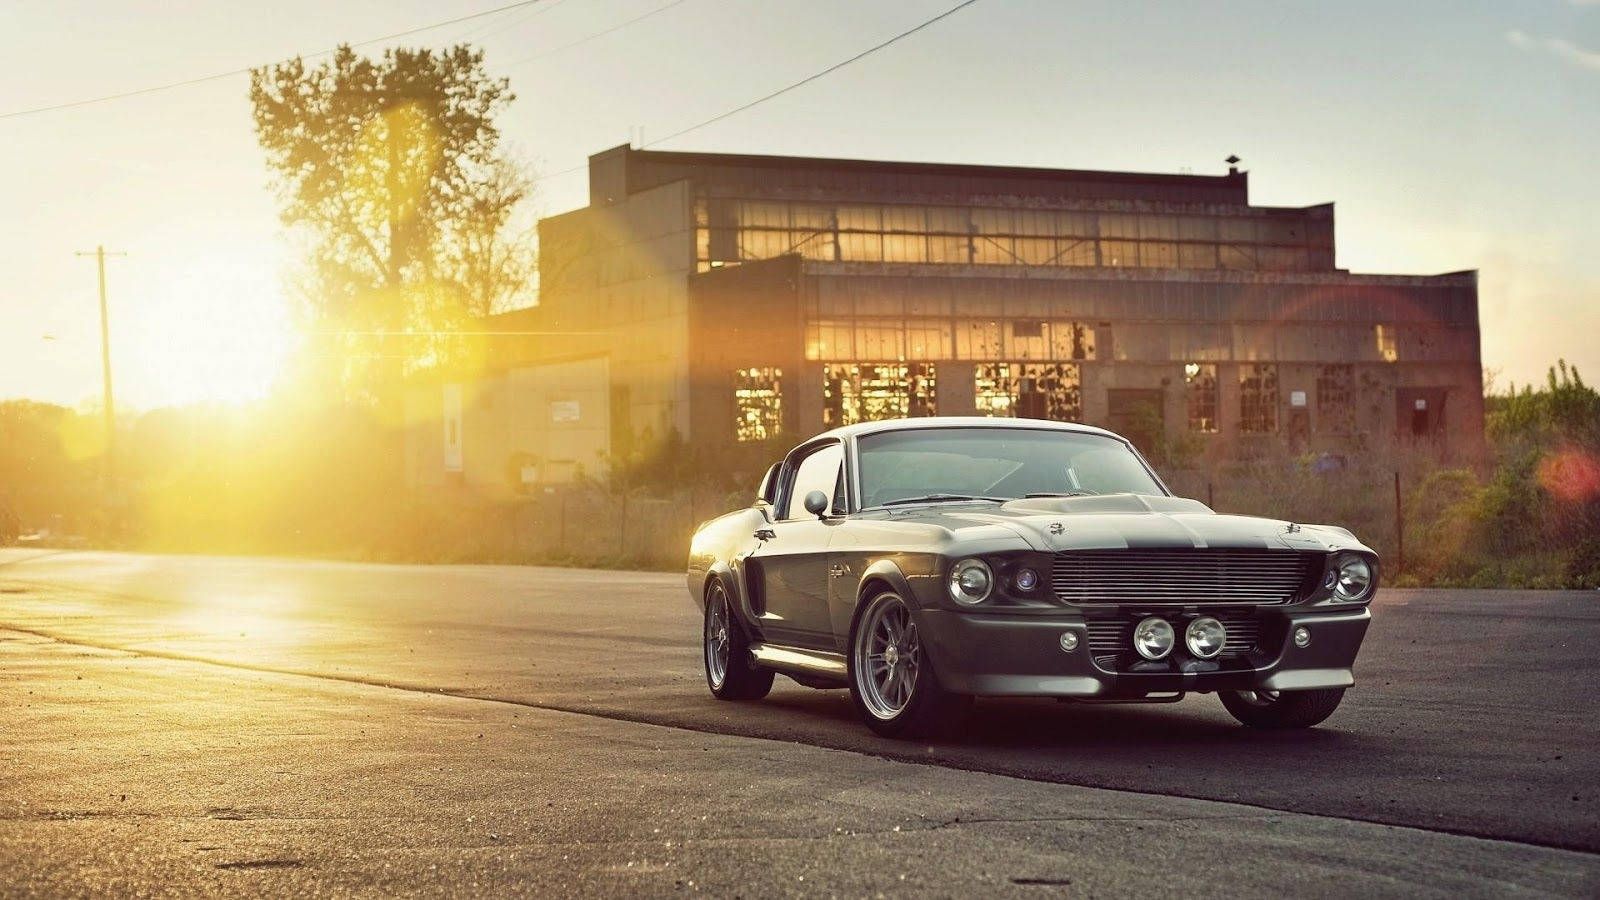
{"x": 793, "y": 560}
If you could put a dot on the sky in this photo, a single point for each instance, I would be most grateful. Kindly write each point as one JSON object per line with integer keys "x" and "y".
{"x": 1450, "y": 135}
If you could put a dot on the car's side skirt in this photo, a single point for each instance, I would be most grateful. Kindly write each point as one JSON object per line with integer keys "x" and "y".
{"x": 815, "y": 664}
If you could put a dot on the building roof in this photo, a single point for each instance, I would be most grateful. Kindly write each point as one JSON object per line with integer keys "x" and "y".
{"x": 624, "y": 170}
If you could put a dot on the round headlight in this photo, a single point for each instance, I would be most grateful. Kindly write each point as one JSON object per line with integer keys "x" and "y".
{"x": 1153, "y": 638}
{"x": 970, "y": 581}
{"x": 1354, "y": 578}
{"x": 1027, "y": 579}
{"x": 1205, "y": 637}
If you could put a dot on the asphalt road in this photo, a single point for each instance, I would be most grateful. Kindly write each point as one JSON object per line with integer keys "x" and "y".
{"x": 203, "y": 724}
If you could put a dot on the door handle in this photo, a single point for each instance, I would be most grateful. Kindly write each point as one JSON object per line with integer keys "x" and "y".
{"x": 765, "y": 534}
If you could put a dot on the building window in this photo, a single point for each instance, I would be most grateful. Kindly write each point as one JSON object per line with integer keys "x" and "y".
{"x": 1071, "y": 340}
{"x": 1029, "y": 390}
{"x": 867, "y": 392}
{"x": 1200, "y": 391}
{"x": 730, "y": 230}
{"x": 758, "y": 403}
{"x": 1336, "y": 406}
{"x": 923, "y": 337}
{"x": 1028, "y": 339}
{"x": 1258, "y": 398}
{"x": 1383, "y": 335}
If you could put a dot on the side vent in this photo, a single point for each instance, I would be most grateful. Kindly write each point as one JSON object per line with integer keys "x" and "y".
{"x": 755, "y": 586}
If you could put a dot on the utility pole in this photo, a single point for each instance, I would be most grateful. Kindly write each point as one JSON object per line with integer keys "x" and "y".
{"x": 100, "y": 254}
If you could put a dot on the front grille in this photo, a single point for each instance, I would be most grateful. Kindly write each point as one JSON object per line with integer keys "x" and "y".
{"x": 1108, "y": 637}
{"x": 1111, "y": 638}
{"x": 1178, "y": 576}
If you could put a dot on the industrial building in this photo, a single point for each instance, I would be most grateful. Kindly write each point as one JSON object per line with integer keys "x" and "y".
{"x": 727, "y": 299}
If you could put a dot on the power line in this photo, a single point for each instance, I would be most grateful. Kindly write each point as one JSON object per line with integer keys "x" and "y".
{"x": 784, "y": 90}
{"x": 489, "y": 29}
{"x": 822, "y": 74}
{"x": 106, "y": 98}
{"x": 599, "y": 34}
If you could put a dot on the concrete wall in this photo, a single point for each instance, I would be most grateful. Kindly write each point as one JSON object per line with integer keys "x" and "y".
{"x": 613, "y": 280}
{"x": 739, "y": 318}
{"x": 551, "y": 420}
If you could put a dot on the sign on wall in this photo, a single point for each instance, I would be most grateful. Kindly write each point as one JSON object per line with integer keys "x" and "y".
{"x": 564, "y": 411}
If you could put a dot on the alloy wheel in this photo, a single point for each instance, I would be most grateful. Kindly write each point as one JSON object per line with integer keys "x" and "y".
{"x": 717, "y": 642}
{"x": 888, "y": 656}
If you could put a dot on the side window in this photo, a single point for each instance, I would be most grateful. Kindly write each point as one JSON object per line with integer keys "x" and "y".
{"x": 817, "y": 472}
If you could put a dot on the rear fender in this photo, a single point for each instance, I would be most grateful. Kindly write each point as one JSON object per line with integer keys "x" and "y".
{"x": 733, "y": 582}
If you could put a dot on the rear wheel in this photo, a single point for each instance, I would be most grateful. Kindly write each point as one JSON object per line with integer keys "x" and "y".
{"x": 1282, "y": 709}
{"x": 892, "y": 683}
{"x": 730, "y": 672}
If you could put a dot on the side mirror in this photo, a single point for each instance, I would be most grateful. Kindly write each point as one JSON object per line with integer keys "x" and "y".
{"x": 817, "y": 503}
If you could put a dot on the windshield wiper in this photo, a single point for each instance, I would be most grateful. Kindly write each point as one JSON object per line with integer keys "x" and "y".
{"x": 1060, "y": 494}
{"x": 936, "y": 498}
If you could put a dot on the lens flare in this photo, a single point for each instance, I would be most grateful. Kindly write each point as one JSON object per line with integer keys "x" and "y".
{"x": 1571, "y": 475}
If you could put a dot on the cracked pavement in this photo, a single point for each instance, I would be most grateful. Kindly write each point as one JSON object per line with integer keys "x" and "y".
{"x": 283, "y": 764}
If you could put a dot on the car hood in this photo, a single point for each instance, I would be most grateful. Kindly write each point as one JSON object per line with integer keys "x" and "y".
{"x": 1122, "y": 521}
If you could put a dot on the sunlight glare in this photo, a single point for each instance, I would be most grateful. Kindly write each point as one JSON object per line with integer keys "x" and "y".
{"x": 216, "y": 331}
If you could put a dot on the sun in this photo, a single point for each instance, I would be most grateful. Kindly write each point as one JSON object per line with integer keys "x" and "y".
{"x": 214, "y": 328}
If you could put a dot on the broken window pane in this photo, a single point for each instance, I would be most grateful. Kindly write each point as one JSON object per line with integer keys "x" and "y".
{"x": 854, "y": 392}
{"x": 1071, "y": 340}
{"x": 1200, "y": 389}
{"x": 1336, "y": 408}
{"x": 758, "y": 403}
{"x": 1258, "y": 398}
{"x": 1384, "y": 337}
{"x": 1029, "y": 390}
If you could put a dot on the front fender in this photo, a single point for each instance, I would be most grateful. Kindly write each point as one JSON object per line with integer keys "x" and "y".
{"x": 846, "y": 603}
{"x": 884, "y": 571}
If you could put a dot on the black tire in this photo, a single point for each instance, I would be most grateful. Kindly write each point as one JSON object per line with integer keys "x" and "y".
{"x": 739, "y": 677}
{"x": 929, "y": 710}
{"x": 1286, "y": 709}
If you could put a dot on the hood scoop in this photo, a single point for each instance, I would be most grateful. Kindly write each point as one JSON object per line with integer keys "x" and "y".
{"x": 1100, "y": 504}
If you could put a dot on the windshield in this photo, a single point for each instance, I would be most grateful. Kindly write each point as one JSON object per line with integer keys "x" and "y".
{"x": 1001, "y": 463}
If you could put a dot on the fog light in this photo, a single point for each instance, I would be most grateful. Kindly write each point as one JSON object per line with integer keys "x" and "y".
{"x": 1069, "y": 641}
{"x": 1153, "y": 638}
{"x": 1027, "y": 579}
{"x": 1302, "y": 636}
{"x": 1205, "y": 637}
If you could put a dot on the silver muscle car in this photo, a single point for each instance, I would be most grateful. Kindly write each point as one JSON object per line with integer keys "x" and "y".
{"x": 923, "y": 562}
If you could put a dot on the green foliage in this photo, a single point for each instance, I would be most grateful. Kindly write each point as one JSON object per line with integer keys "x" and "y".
{"x": 1565, "y": 409}
{"x": 1532, "y": 520}
{"x": 393, "y": 172}
{"x": 50, "y": 468}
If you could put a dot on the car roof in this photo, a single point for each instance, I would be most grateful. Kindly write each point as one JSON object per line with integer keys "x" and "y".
{"x": 863, "y": 428}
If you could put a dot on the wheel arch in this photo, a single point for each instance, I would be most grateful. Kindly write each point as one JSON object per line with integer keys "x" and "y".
{"x": 884, "y": 575}
{"x": 722, "y": 574}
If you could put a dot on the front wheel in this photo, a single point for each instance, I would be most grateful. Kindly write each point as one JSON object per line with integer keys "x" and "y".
{"x": 892, "y": 683}
{"x": 1282, "y": 709}
{"x": 730, "y": 672}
